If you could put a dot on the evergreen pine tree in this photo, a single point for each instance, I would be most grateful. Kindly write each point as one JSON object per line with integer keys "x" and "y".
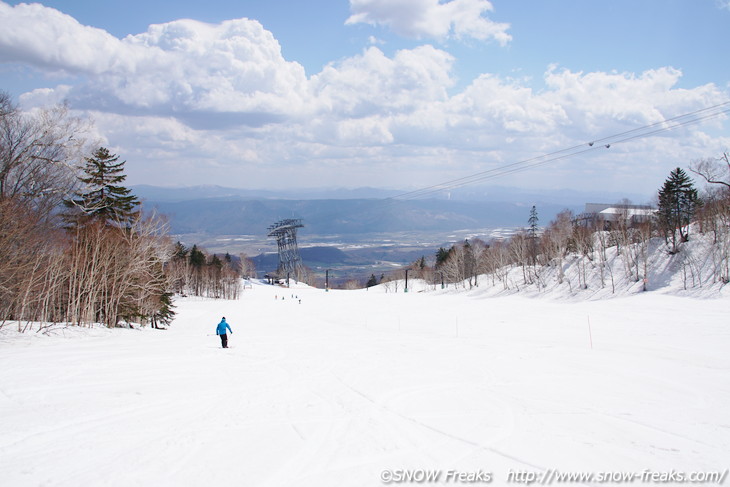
{"x": 180, "y": 252}
{"x": 678, "y": 199}
{"x": 166, "y": 311}
{"x": 197, "y": 262}
{"x": 532, "y": 235}
{"x": 373, "y": 281}
{"x": 197, "y": 257}
{"x": 103, "y": 198}
{"x": 216, "y": 263}
{"x": 532, "y": 222}
{"x": 442, "y": 255}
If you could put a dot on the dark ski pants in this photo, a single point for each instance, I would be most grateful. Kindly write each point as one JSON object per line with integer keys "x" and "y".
{"x": 224, "y": 340}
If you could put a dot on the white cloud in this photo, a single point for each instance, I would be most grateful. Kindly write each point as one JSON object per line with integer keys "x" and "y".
{"x": 182, "y": 67}
{"x": 604, "y": 102}
{"x": 234, "y": 66}
{"x": 219, "y": 103}
{"x": 359, "y": 99}
{"x": 374, "y": 41}
{"x": 373, "y": 83}
{"x": 47, "y": 38}
{"x": 431, "y": 18}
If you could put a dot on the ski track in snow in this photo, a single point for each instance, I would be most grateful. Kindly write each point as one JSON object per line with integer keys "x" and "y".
{"x": 332, "y": 391}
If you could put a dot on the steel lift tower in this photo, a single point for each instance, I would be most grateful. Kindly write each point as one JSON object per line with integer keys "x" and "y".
{"x": 290, "y": 263}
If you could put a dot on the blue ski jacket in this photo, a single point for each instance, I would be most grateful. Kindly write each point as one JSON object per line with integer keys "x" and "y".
{"x": 221, "y": 328}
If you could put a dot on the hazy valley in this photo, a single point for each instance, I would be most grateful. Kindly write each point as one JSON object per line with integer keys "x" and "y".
{"x": 352, "y": 232}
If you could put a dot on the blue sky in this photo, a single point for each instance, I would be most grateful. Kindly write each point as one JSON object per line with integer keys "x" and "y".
{"x": 389, "y": 93}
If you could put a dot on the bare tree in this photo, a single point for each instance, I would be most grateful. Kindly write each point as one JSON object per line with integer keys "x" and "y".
{"x": 583, "y": 240}
{"x": 475, "y": 250}
{"x": 521, "y": 250}
{"x": 6, "y": 105}
{"x": 495, "y": 261}
{"x": 248, "y": 267}
{"x": 644, "y": 233}
{"x": 453, "y": 267}
{"x": 352, "y": 284}
{"x": 603, "y": 240}
{"x": 713, "y": 170}
{"x": 623, "y": 236}
{"x": 36, "y": 154}
{"x": 117, "y": 273}
{"x": 27, "y": 245}
{"x": 557, "y": 240}
{"x": 714, "y": 216}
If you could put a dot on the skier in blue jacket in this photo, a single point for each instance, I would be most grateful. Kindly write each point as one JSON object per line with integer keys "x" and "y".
{"x": 221, "y": 330}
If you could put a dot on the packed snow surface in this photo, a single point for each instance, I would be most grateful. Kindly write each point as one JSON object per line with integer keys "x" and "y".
{"x": 345, "y": 385}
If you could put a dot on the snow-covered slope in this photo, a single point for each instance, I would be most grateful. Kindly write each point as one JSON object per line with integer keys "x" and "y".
{"x": 346, "y": 385}
{"x": 695, "y": 271}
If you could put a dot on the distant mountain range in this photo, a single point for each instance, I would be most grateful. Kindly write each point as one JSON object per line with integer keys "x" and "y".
{"x": 231, "y": 216}
{"x": 173, "y": 194}
{"x": 215, "y": 210}
{"x": 352, "y": 232}
{"x": 525, "y": 197}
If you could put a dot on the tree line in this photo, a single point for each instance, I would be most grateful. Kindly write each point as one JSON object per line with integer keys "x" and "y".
{"x": 192, "y": 271}
{"x": 595, "y": 243}
{"x": 75, "y": 245}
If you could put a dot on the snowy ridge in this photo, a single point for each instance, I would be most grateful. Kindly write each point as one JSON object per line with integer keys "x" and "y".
{"x": 694, "y": 271}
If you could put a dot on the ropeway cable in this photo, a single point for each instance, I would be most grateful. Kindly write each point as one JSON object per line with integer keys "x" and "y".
{"x": 697, "y": 116}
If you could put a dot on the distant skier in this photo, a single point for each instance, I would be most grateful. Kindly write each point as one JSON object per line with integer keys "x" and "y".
{"x": 221, "y": 330}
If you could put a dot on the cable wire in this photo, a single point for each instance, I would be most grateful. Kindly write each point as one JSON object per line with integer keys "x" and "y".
{"x": 673, "y": 123}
